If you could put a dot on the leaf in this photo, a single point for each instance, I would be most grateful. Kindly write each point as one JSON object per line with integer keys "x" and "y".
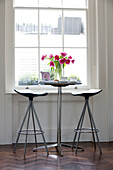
{"x": 52, "y": 68}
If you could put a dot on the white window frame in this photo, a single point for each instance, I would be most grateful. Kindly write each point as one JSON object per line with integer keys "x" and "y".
{"x": 92, "y": 64}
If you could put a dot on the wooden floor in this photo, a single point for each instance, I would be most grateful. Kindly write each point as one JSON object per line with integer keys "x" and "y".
{"x": 87, "y": 160}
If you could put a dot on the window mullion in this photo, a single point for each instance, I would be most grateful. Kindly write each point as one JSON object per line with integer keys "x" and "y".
{"x": 38, "y": 43}
{"x": 63, "y": 33}
{"x": 63, "y": 29}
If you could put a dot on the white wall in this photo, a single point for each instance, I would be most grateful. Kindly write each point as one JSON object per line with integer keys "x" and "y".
{"x": 13, "y": 106}
{"x": 2, "y": 70}
{"x": 46, "y": 108}
{"x": 110, "y": 65}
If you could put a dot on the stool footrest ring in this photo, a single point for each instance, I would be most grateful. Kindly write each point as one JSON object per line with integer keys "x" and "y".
{"x": 86, "y": 130}
{"x": 30, "y": 132}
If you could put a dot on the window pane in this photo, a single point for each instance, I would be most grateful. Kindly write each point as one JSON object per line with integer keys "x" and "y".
{"x": 75, "y": 29}
{"x": 50, "y": 31}
{"x": 79, "y": 68}
{"x": 50, "y": 3}
{"x": 26, "y": 28}
{"x": 25, "y": 3}
{"x": 50, "y": 38}
{"x": 26, "y": 65}
{"x": 74, "y": 3}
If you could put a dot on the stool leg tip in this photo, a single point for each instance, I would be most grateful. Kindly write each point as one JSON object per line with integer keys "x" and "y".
{"x": 34, "y": 150}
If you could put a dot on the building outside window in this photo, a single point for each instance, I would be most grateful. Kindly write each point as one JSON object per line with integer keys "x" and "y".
{"x": 49, "y": 27}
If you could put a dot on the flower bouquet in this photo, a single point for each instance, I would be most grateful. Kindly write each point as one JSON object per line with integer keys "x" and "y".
{"x": 58, "y": 62}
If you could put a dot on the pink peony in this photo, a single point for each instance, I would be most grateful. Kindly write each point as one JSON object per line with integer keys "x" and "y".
{"x": 52, "y": 64}
{"x": 62, "y": 61}
{"x": 43, "y": 57}
{"x": 51, "y": 56}
{"x": 72, "y": 61}
{"x": 59, "y": 60}
{"x": 69, "y": 57}
{"x": 56, "y": 57}
{"x": 63, "y": 54}
{"x": 67, "y": 61}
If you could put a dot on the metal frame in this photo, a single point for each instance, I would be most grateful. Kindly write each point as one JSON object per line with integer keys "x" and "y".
{"x": 80, "y": 130}
{"x": 30, "y": 111}
{"x": 58, "y": 144}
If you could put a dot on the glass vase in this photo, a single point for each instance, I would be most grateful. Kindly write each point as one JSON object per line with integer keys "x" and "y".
{"x": 58, "y": 74}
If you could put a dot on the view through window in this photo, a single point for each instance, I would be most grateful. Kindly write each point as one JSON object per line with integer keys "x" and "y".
{"x": 44, "y": 27}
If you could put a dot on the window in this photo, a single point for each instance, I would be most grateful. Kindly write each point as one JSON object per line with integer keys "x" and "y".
{"x": 45, "y": 27}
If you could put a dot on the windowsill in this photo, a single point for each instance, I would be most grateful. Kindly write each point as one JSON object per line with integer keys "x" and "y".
{"x": 50, "y": 89}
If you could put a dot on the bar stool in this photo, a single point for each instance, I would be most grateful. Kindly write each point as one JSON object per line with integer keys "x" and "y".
{"x": 86, "y": 94}
{"x": 30, "y": 111}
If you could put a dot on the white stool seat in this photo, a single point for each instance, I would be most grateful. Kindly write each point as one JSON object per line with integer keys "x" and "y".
{"x": 90, "y": 92}
{"x": 29, "y": 93}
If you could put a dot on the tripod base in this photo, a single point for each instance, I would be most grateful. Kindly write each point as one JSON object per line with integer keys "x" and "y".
{"x": 92, "y": 130}
{"x": 27, "y": 131}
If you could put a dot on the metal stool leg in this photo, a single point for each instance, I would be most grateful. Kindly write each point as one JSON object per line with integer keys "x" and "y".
{"x": 40, "y": 130}
{"x": 34, "y": 127}
{"x": 94, "y": 128}
{"x": 26, "y": 134}
{"x": 81, "y": 117}
{"x": 81, "y": 123}
{"x": 22, "y": 126}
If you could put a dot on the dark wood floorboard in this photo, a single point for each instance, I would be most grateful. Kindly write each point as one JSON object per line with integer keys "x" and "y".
{"x": 87, "y": 160}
